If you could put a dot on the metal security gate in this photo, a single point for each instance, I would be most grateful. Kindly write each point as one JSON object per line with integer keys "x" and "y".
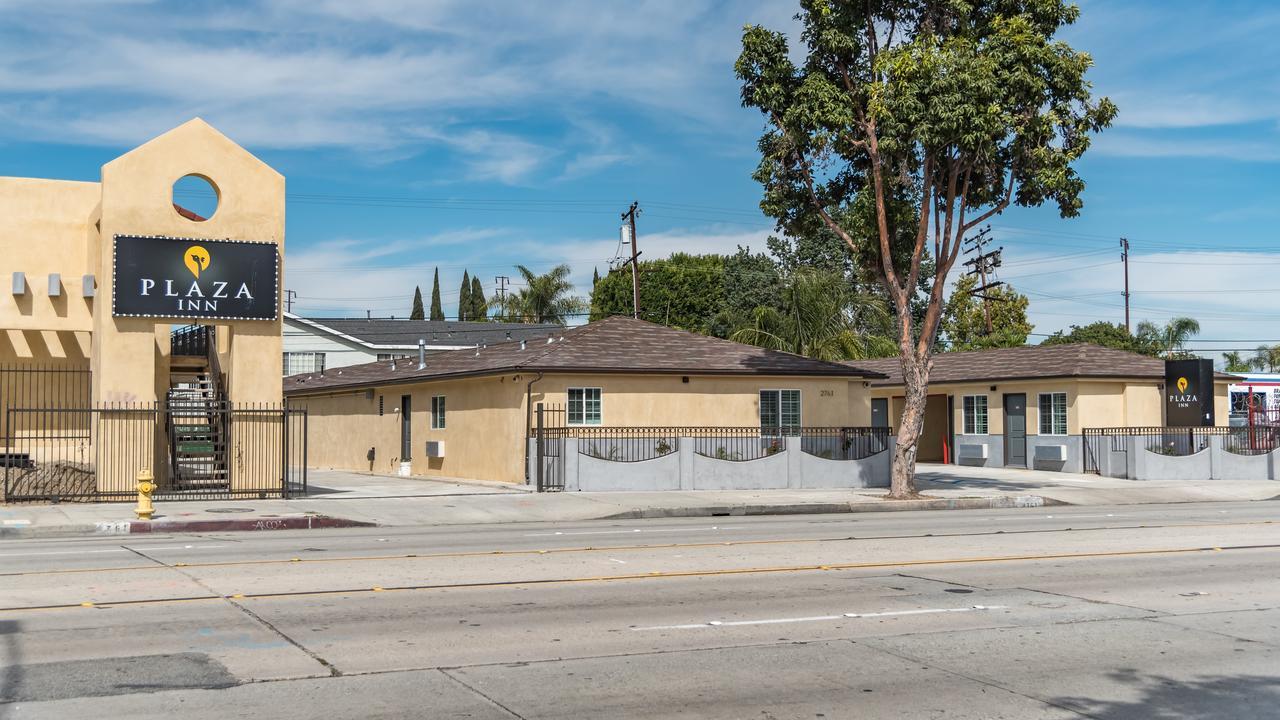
{"x": 95, "y": 453}
{"x": 1109, "y": 446}
{"x": 548, "y": 453}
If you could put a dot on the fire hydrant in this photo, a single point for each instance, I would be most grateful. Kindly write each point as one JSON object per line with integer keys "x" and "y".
{"x": 145, "y": 488}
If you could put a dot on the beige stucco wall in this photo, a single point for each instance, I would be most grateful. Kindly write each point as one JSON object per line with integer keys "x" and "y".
{"x": 130, "y": 354}
{"x": 1090, "y": 403}
{"x": 485, "y": 417}
{"x": 46, "y": 227}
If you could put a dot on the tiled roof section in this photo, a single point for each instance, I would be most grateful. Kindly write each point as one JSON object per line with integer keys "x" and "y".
{"x": 1028, "y": 362}
{"x": 385, "y": 331}
{"x": 188, "y": 214}
{"x": 615, "y": 345}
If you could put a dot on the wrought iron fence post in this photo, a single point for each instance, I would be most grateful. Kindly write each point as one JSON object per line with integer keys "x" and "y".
{"x": 540, "y": 450}
{"x": 284, "y": 451}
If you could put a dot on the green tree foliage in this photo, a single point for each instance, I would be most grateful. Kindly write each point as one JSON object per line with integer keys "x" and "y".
{"x": 545, "y": 298}
{"x": 595, "y": 277}
{"x": 437, "y": 312}
{"x": 1236, "y": 362}
{"x": 464, "y": 298}
{"x": 816, "y": 318}
{"x": 417, "y": 313}
{"x": 684, "y": 291}
{"x": 908, "y": 124}
{"x": 1265, "y": 359}
{"x": 1105, "y": 334}
{"x": 964, "y": 322}
{"x": 1169, "y": 339}
{"x": 479, "y": 306}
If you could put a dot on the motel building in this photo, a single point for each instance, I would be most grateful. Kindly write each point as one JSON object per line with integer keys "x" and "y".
{"x": 1072, "y": 408}
{"x": 136, "y": 334}
{"x": 618, "y": 404}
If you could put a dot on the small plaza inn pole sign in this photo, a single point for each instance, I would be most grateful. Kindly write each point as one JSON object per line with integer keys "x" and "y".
{"x": 167, "y": 277}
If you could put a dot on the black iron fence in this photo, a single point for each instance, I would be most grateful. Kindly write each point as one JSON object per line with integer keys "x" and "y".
{"x": 44, "y": 386}
{"x": 96, "y": 453}
{"x": 851, "y": 443}
{"x": 737, "y": 444}
{"x": 1178, "y": 441}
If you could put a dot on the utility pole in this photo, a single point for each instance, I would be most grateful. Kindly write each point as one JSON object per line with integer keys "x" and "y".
{"x": 982, "y": 264}
{"x": 501, "y": 281}
{"x": 1124, "y": 256}
{"x": 629, "y": 235}
{"x": 289, "y": 295}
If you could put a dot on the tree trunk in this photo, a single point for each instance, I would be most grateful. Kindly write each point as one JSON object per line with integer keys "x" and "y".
{"x": 915, "y": 376}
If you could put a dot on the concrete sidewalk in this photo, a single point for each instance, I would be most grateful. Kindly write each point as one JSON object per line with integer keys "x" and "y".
{"x": 349, "y": 499}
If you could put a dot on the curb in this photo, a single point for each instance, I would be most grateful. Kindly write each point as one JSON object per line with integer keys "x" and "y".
{"x": 975, "y": 503}
{"x": 145, "y": 527}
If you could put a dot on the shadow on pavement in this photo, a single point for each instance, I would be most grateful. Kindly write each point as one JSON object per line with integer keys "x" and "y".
{"x": 1240, "y": 697}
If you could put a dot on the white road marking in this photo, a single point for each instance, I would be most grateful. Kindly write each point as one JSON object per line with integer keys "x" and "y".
{"x": 622, "y": 532}
{"x": 620, "y": 562}
{"x": 109, "y": 550}
{"x": 819, "y": 618}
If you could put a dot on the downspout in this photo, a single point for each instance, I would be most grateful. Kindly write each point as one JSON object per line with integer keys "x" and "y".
{"x": 528, "y": 422}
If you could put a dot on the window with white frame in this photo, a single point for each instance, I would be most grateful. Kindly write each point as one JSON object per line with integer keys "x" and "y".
{"x": 975, "y": 414}
{"x": 780, "y": 411}
{"x": 584, "y": 406}
{"x": 437, "y": 412}
{"x": 383, "y": 357}
{"x": 303, "y": 362}
{"x": 1053, "y": 413}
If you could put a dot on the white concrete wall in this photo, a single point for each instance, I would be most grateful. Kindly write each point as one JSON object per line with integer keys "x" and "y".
{"x": 686, "y": 470}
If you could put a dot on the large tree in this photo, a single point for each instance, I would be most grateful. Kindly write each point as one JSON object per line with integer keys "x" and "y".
{"x": 464, "y": 298}
{"x": 479, "y": 306}
{"x": 965, "y": 322}
{"x": 1105, "y": 334}
{"x": 417, "y": 313}
{"x": 925, "y": 118}
{"x": 1171, "y": 338}
{"x": 437, "y": 311}
{"x": 545, "y": 298}
{"x": 818, "y": 318}
{"x": 682, "y": 291}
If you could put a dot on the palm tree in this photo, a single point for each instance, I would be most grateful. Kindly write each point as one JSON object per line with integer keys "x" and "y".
{"x": 543, "y": 299}
{"x": 818, "y": 320}
{"x": 1171, "y": 338}
{"x": 1265, "y": 358}
{"x": 1236, "y": 363}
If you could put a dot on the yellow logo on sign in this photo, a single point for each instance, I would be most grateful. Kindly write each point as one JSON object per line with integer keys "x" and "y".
{"x": 1182, "y": 385}
{"x": 196, "y": 259}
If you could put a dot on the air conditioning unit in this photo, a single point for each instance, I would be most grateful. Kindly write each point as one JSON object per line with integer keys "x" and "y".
{"x": 1052, "y": 453}
{"x": 435, "y": 448}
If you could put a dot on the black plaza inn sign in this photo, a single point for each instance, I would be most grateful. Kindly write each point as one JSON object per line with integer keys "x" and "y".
{"x": 166, "y": 277}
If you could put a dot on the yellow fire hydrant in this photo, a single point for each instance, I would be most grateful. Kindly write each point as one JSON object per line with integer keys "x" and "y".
{"x": 145, "y": 488}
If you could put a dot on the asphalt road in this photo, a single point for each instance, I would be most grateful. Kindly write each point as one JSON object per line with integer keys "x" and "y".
{"x": 1126, "y": 612}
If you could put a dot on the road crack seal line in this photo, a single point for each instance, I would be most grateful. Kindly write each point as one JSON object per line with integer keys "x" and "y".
{"x": 469, "y": 687}
{"x": 333, "y": 670}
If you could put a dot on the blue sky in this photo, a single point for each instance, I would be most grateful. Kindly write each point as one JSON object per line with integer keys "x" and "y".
{"x": 519, "y": 131}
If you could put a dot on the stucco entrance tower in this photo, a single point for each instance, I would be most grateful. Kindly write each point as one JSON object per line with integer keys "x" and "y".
{"x": 131, "y": 355}
{"x": 138, "y": 333}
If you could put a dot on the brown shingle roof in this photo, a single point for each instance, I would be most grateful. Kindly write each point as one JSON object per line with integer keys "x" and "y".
{"x": 1029, "y": 362}
{"x": 615, "y": 345}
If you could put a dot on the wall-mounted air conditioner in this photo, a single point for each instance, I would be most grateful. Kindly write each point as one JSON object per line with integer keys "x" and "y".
{"x": 435, "y": 448}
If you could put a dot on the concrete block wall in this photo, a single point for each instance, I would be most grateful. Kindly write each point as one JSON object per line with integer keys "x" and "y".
{"x": 687, "y": 470}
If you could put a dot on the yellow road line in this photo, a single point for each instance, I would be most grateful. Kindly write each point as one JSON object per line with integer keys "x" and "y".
{"x": 608, "y": 548}
{"x": 647, "y": 576}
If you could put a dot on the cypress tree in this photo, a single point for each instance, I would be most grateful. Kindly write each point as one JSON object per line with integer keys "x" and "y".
{"x": 417, "y": 313}
{"x": 479, "y": 306}
{"x": 464, "y": 298}
{"x": 437, "y": 312}
{"x": 595, "y": 276}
